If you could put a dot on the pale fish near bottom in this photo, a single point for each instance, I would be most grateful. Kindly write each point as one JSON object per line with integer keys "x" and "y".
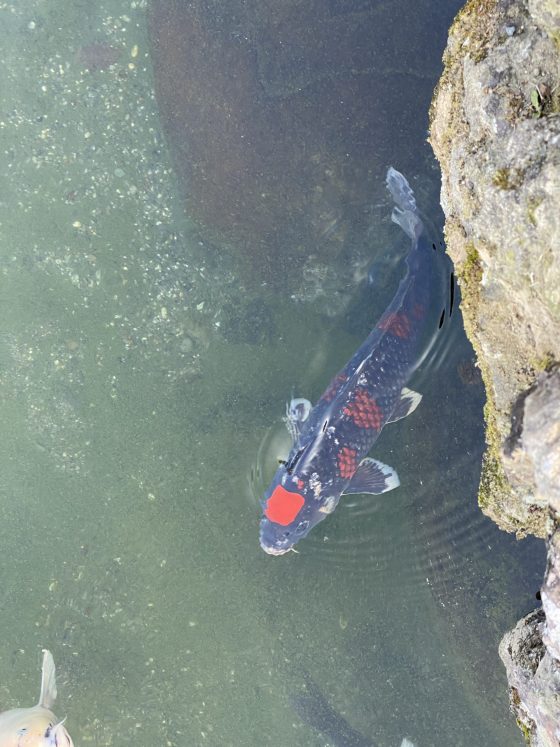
{"x": 36, "y": 726}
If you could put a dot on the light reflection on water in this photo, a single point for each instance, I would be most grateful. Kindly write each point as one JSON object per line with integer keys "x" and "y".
{"x": 136, "y": 393}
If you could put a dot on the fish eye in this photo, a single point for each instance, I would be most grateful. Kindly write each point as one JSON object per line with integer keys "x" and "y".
{"x": 302, "y": 526}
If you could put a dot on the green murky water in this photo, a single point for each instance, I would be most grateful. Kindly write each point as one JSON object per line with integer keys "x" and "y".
{"x": 133, "y": 403}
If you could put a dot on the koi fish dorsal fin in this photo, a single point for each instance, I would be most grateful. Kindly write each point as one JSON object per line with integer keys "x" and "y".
{"x": 372, "y": 476}
{"x": 48, "y": 681}
{"x": 408, "y": 402}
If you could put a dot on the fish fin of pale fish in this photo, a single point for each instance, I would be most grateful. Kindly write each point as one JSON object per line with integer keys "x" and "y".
{"x": 48, "y": 681}
{"x": 59, "y": 737}
{"x": 372, "y": 477}
{"x": 408, "y": 402}
{"x": 297, "y": 412}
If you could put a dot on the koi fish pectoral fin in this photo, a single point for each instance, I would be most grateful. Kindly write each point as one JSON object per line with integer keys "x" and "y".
{"x": 297, "y": 412}
{"x": 408, "y": 402}
{"x": 372, "y": 477}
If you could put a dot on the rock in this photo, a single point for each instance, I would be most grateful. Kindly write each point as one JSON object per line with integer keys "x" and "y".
{"x": 500, "y": 161}
{"x": 546, "y": 14}
{"x": 531, "y": 652}
{"x": 551, "y": 597}
{"x": 495, "y": 129}
{"x": 540, "y": 443}
{"x": 541, "y": 438}
{"x": 534, "y": 678}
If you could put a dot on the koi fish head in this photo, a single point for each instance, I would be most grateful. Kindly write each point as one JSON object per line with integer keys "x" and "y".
{"x": 32, "y": 727}
{"x": 36, "y": 726}
{"x": 290, "y": 511}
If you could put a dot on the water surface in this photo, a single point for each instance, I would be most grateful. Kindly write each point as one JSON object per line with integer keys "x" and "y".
{"x": 144, "y": 370}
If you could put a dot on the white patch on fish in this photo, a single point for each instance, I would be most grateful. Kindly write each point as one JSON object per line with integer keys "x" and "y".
{"x": 315, "y": 485}
{"x": 329, "y": 505}
{"x": 36, "y": 726}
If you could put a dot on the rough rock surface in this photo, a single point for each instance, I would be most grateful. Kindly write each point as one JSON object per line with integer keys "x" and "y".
{"x": 541, "y": 441}
{"x": 534, "y": 681}
{"x": 495, "y": 129}
{"x": 531, "y": 652}
{"x": 500, "y": 160}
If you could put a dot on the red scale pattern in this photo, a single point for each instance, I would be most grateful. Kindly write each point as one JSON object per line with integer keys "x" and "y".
{"x": 347, "y": 463}
{"x": 364, "y": 410}
{"x": 397, "y": 324}
{"x": 418, "y": 312}
{"x": 333, "y": 387}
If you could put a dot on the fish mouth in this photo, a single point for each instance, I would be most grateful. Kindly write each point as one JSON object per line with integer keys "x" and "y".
{"x": 271, "y": 550}
{"x": 273, "y": 539}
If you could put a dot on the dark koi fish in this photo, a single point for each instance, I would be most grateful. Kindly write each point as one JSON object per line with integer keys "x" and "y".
{"x": 315, "y": 710}
{"x": 331, "y": 441}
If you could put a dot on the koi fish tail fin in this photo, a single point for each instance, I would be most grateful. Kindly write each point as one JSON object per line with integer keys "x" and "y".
{"x": 404, "y": 213}
{"x": 48, "y": 681}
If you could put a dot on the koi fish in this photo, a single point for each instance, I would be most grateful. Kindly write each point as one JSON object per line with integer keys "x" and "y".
{"x": 331, "y": 441}
{"x": 36, "y": 726}
{"x": 316, "y": 711}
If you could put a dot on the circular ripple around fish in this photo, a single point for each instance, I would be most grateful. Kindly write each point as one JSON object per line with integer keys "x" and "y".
{"x": 274, "y": 447}
{"x": 430, "y": 532}
{"x": 356, "y": 537}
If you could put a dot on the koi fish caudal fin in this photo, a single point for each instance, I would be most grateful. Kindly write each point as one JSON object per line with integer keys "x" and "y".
{"x": 405, "y": 214}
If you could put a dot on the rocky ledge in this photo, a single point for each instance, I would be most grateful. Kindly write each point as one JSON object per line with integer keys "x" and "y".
{"x": 495, "y": 129}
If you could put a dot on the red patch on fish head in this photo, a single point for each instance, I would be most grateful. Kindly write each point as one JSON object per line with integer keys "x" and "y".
{"x": 283, "y": 506}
